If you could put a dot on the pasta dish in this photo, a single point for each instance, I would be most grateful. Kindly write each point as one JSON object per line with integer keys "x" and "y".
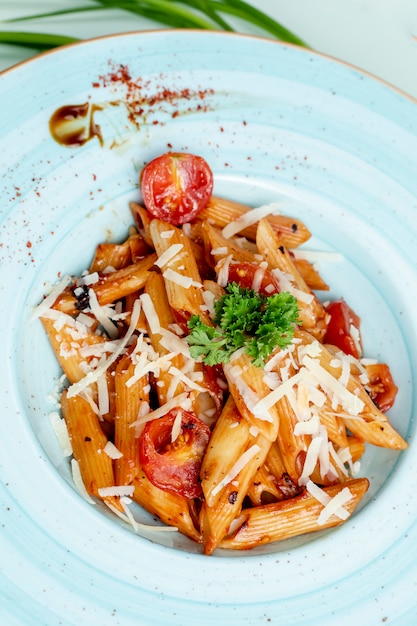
{"x": 206, "y": 381}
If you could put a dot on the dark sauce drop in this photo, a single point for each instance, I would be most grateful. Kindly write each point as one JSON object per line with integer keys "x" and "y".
{"x": 74, "y": 125}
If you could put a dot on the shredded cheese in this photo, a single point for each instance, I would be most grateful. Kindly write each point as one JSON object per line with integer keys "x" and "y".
{"x": 179, "y": 279}
{"x": 47, "y": 302}
{"x": 169, "y": 254}
{"x": 101, "y": 316}
{"x": 237, "y": 467}
{"x": 116, "y": 490}
{"x": 173, "y": 403}
{"x": 332, "y": 506}
{"x": 61, "y": 431}
{"x": 150, "y": 313}
{"x": 111, "y": 451}
{"x": 93, "y": 376}
{"x": 251, "y": 217}
{"x": 78, "y": 481}
{"x": 351, "y": 403}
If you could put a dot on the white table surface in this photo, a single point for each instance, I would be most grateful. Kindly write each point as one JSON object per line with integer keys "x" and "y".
{"x": 378, "y": 36}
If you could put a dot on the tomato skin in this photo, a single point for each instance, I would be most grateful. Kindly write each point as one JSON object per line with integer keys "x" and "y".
{"x": 381, "y": 386}
{"x": 338, "y": 332}
{"x": 174, "y": 466}
{"x": 244, "y": 274}
{"x": 176, "y": 186}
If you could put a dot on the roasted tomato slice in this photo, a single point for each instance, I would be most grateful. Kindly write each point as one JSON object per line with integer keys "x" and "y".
{"x": 251, "y": 276}
{"x": 174, "y": 466}
{"x": 339, "y": 330}
{"x": 176, "y": 186}
{"x": 381, "y": 386}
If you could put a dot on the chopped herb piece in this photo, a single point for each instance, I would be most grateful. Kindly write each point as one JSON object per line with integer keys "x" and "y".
{"x": 244, "y": 319}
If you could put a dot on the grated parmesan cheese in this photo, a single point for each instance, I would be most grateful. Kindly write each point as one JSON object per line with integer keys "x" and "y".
{"x": 150, "y": 313}
{"x": 335, "y": 506}
{"x": 169, "y": 254}
{"x": 176, "y": 427}
{"x": 237, "y": 467}
{"x": 111, "y": 451}
{"x": 47, "y": 302}
{"x": 179, "y": 279}
{"x": 182, "y": 400}
{"x": 349, "y": 401}
{"x": 116, "y": 490}
{"x": 167, "y": 234}
{"x": 101, "y": 315}
{"x": 61, "y": 431}
{"x": 332, "y": 506}
{"x": 251, "y": 217}
{"x": 93, "y": 376}
{"x": 222, "y": 270}
{"x": 78, "y": 481}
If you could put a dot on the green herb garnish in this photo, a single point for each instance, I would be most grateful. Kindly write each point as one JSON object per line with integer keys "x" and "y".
{"x": 200, "y": 14}
{"x": 244, "y": 319}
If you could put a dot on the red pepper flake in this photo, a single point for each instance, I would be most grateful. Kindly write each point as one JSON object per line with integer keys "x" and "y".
{"x": 143, "y": 98}
{"x": 28, "y": 244}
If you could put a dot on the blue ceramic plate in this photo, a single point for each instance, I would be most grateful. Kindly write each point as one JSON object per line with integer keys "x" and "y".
{"x": 273, "y": 121}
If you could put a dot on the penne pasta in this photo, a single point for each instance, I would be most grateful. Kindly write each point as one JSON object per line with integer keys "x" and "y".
{"x": 291, "y": 518}
{"x": 89, "y": 444}
{"x": 110, "y": 256}
{"x": 232, "y": 459}
{"x": 129, "y": 400}
{"x": 182, "y": 278}
{"x": 312, "y": 313}
{"x": 248, "y": 388}
{"x": 108, "y": 288}
{"x": 221, "y": 212}
{"x": 200, "y": 385}
{"x": 171, "y": 509}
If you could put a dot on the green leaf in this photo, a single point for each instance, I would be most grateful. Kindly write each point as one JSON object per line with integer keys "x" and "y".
{"x": 251, "y": 14}
{"x": 200, "y": 14}
{"x": 37, "y": 41}
{"x": 245, "y": 319}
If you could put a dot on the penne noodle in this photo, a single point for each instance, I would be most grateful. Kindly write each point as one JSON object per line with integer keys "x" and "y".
{"x": 290, "y": 518}
{"x": 218, "y": 247}
{"x": 271, "y": 484}
{"x": 221, "y": 212}
{"x": 128, "y": 402}
{"x": 368, "y": 422}
{"x": 88, "y": 444}
{"x": 335, "y": 427}
{"x": 171, "y": 509}
{"x": 142, "y": 220}
{"x": 182, "y": 278}
{"x": 232, "y": 459}
{"x": 310, "y": 275}
{"x": 247, "y": 386}
{"x": 164, "y": 319}
{"x": 356, "y": 447}
{"x": 312, "y": 312}
{"x": 110, "y": 287}
{"x": 293, "y": 448}
{"x": 117, "y": 256}
{"x": 68, "y": 342}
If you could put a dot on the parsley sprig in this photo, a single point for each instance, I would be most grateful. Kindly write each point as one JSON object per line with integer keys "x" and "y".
{"x": 244, "y": 319}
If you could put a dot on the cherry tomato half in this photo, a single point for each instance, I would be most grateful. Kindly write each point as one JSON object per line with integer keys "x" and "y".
{"x": 339, "y": 331}
{"x": 251, "y": 276}
{"x": 381, "y": 386}
{"x": 174, "y": 466}
{"x": 176, "y": 186}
